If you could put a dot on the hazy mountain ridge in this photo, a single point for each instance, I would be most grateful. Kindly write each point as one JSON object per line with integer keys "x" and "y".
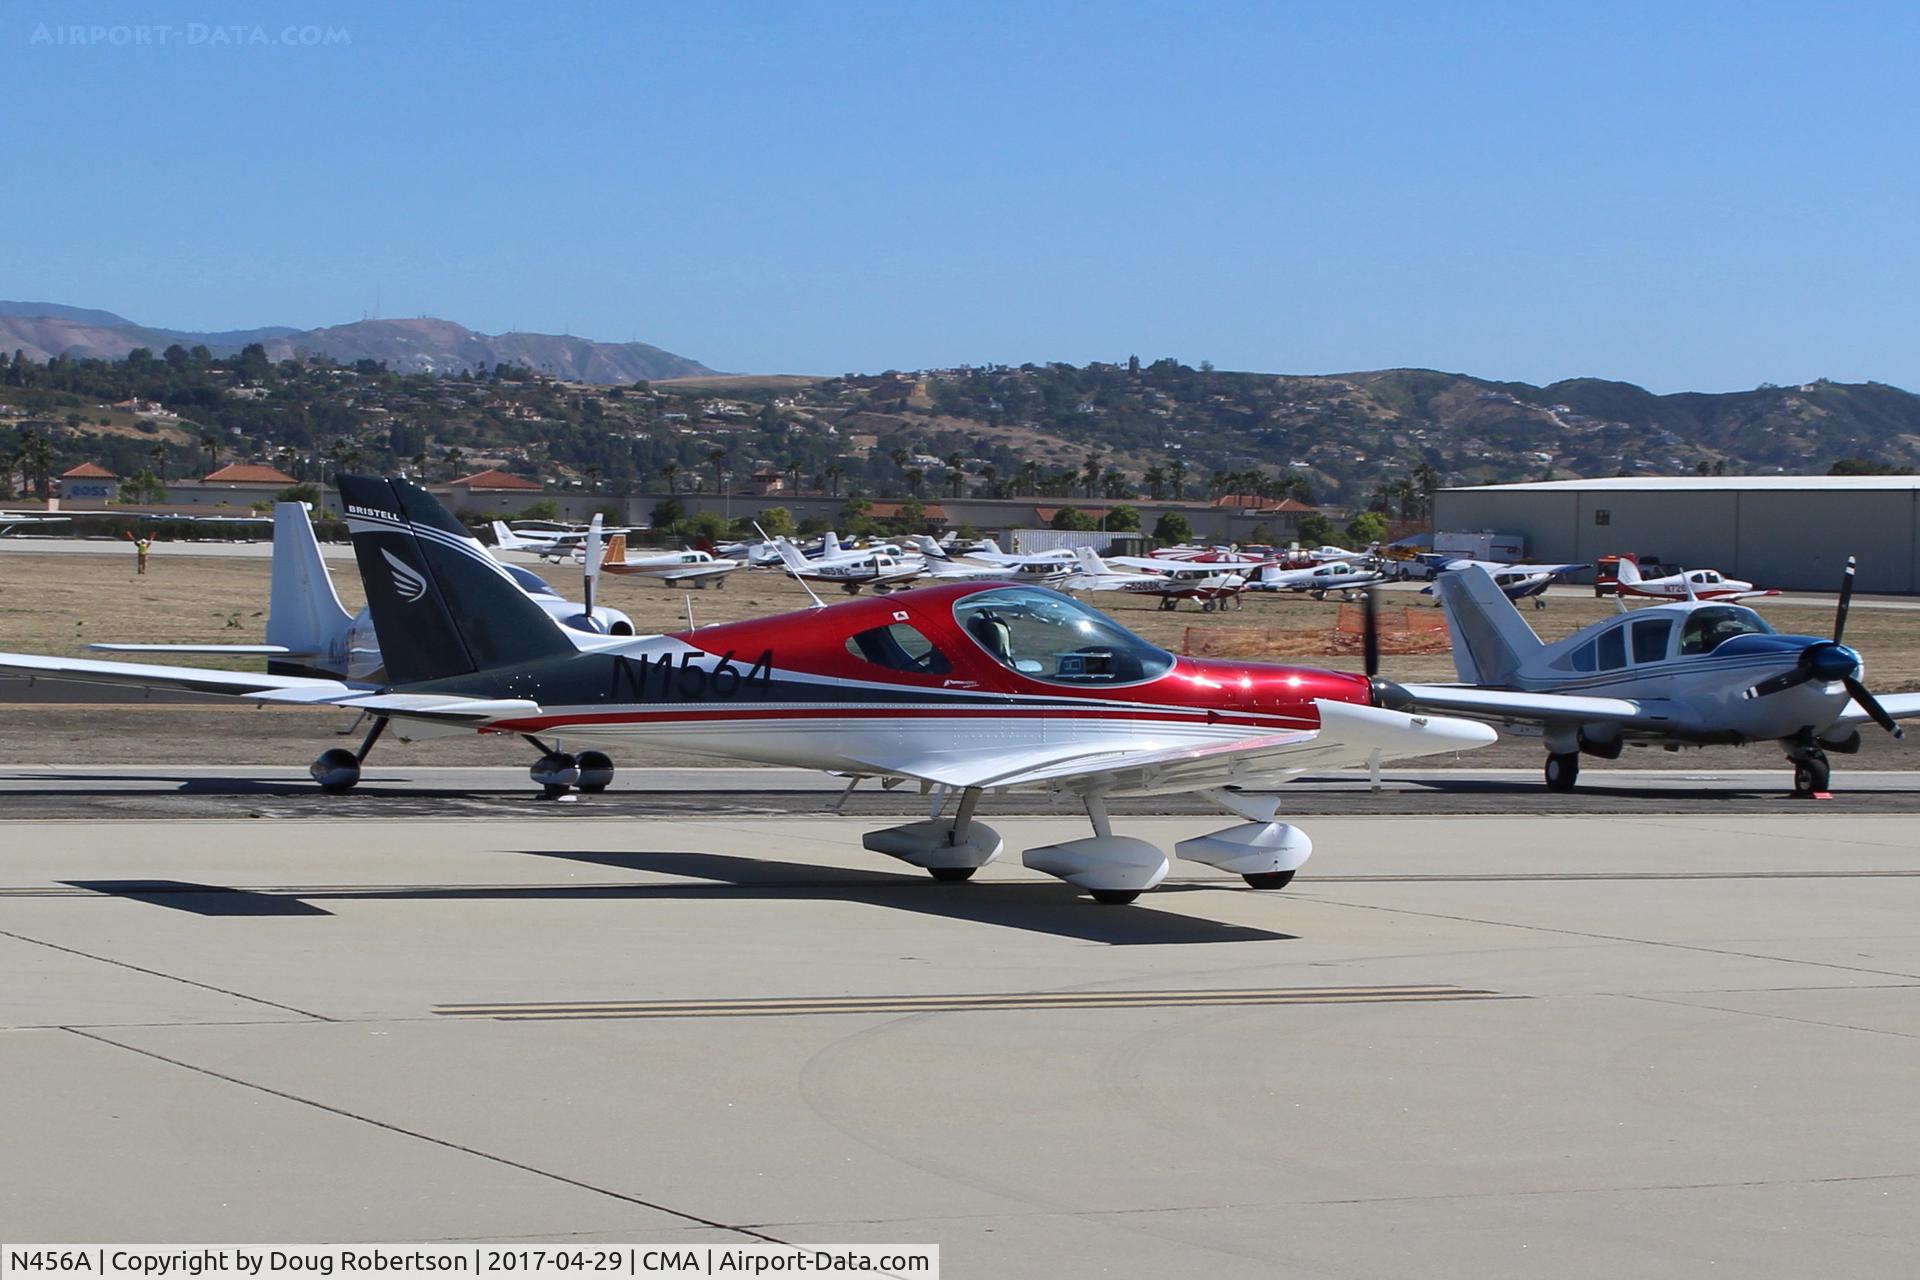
{"x": 46, "y": 329}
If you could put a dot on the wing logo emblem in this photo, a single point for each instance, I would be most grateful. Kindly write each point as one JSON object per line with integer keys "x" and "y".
{"x": 406, "y": 579}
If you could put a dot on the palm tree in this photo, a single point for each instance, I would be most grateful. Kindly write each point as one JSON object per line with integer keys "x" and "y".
{"x": 793, "y": 476}
{"x": 915, "y": 477}
{"x": 956, "y": 474}
{"x": 1030, "y": 473}
{"x": 1091, "y": 471}
{"x": 452, "y": 458}
{"x": 1179, "y": 478}
{"x": 987, "y": 473}
{"x": 1155, "y": 480}
{"x": 1114, "y": 484}
{"x": 159, "y": 455}
{"x": 671, "y": 470}
{"x": 211, "y": 443}
{"x": 833, "y": 472}
{"x": 718, "y": 459}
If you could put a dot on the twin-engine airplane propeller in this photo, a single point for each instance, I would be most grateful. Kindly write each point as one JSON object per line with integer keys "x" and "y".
{"x": 964, "y": 688}
{"x": 1696, "y": 673}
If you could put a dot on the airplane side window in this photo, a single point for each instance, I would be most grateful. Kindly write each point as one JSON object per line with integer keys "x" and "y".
{"x": 898, "y": 647}
{"x": 1582, "y": 658}
{"x": 1613, "y": 649}
{"x": 1650, "y": 639}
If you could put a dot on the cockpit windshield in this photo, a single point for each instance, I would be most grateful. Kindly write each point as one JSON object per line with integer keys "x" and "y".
{"x": 531, "y": 583}
{"x": 1709, "y": 628}
{"x": 1047, "y": 636}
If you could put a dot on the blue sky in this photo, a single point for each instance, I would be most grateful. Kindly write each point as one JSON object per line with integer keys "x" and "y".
{"x": 1686, "y": 196}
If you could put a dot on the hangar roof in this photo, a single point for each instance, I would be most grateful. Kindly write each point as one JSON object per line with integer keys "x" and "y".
{"x": 1700, "y": 484}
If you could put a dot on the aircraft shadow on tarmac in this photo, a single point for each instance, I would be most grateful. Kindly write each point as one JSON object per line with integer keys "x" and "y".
{"x": 1038, "y": 908}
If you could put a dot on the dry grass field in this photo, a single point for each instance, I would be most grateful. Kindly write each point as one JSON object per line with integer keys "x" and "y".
{"x": 54, "y": 604}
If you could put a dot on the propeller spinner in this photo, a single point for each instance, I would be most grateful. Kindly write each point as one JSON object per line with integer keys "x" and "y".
{"x": 1830, "y": 661}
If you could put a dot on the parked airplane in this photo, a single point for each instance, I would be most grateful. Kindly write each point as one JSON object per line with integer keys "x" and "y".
{"x": 964, "y": 688}
{"x": 676, "y": 568}
{"x": 989, "y": 561}
{"x": 852, "y": 570}
{"x": 1345, "y": 576}
{"x": 1695, "y": 673}
{"x": 1690, "y": 584}
{"x": 1170, "y": 581}
{"x": 1516, "y": 581}
{"x": 11, "y": 520}
{"x": 554, "y": 545}
{"x": 310, "y": 633}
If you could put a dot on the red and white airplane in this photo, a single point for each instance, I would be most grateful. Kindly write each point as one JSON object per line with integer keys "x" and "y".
{"x": 1692, "y": 584}
{"x": 965, "y": 688}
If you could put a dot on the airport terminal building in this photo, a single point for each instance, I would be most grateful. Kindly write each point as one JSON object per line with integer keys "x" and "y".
{"x": 1792, "y": 532}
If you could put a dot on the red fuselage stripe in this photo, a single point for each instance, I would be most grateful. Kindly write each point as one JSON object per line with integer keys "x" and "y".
{"x": 534, "y": 724}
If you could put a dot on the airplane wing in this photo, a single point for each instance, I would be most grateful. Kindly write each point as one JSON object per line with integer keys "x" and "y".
{"x": 1901, "y": 706}
{"x": 1512, "y": 704}
{"x": 696, "y": 572}
{"x": 1348, "y": 735}
{"x": 258, "y": 688}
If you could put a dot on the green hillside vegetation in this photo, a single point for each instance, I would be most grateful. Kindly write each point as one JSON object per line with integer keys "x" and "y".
{"x": 1381, "y": 439}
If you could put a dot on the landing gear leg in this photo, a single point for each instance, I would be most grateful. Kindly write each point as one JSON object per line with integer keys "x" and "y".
{"x": 1563, "y": 770}
{"x": 962, "y": 821}
{"x": 338, "y": 770}
{"x": 1811, "y": 773}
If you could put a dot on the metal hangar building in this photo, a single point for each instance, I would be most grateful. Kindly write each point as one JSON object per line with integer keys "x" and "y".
{"x": 1792, "y": 532}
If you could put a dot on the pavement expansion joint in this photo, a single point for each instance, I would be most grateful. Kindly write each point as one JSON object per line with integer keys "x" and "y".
{"x": 973, "y": 1003}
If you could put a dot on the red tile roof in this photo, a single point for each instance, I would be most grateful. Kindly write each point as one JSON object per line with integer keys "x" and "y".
{"x": 496, "y": 480}
{"x": 247, "y": 473}
{"x": 88, "y": 471}
{"x": 888, "y": 510}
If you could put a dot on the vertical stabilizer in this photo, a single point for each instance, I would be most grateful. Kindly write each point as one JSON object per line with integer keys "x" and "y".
{"x": 1090, "y": 561}
{"x": 441, "y": 605}
{"x": 303, "y": 611}
{"x": 1491, "y": 640}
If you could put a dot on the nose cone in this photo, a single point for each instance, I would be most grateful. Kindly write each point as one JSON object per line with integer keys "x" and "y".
{"x": 1389, "y": 695}
{"x": 1832, "y": 662}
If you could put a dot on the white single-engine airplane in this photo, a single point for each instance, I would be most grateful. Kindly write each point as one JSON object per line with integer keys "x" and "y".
{"x": 1047, "y": 568}
{"x": 1170, "y": 581}
{"x": 557, "y": 546}
{"x": 852, "y": 570}
{"x": 1516, "y": 581}
{"x": 675, "y": 568}
{"x": 1344, "y": 576}
{"x": 1697, "y": 673}
{"x": 965, "y": 688}
{"x": 11, "y": 520}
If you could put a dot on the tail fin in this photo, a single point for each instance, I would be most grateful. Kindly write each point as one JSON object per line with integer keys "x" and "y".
{"x": 441, "y": 605}
{"x": 829, "y": 544}
{"x": 303, "y": 611}
{"x": 1090, "y": 561}
{"x": 1490, "y": 638}
{"x": 791, "y": 557}
{"x": 1627, "y": 572}
{"x": 506, "y": 539}
{"x": 929, "y": 548}
{"x": 616, "y": 552}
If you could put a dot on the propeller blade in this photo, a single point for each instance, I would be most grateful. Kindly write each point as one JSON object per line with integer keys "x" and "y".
{"x": 1846, "y": 600}
{"x": 1871, "y": 705}
{"x": 1785, "y": 680}
{"x": 1370, "y": 634}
